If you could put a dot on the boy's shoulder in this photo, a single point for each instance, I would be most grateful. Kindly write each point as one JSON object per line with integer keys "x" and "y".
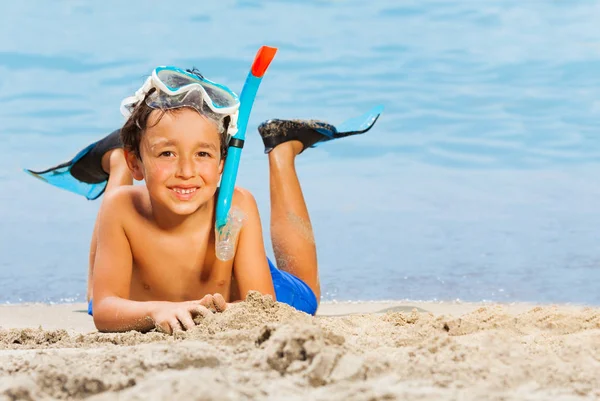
{"x": 133, "y": 201}
{"x": 243, "y": 198}
{"x": 127, "y": 200}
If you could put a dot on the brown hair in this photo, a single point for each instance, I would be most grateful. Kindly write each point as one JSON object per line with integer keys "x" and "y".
{"x": 137, "y": 123}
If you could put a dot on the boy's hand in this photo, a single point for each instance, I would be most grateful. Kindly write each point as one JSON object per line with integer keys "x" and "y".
{"x": 171, "y": 316}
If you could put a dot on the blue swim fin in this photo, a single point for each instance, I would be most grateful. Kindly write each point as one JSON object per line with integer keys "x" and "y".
{"x": 83, "y": 174}
{"x": 312, "y": 132}
{"x": 361, "y": 124}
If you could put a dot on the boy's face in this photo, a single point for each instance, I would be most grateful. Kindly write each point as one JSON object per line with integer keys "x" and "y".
{"x": 180, "y": 160}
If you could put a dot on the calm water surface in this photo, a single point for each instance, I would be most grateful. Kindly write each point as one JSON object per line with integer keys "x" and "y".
{"x": 480, "y": 182}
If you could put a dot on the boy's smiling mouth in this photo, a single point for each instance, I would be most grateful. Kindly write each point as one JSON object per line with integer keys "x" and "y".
{"x": 180, "y": 190}
{"x": 184, "y": 193}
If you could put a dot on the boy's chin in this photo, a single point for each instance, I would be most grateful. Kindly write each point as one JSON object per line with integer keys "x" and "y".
{"x": 184, "y": 210}
{"x": 187, "y": 207}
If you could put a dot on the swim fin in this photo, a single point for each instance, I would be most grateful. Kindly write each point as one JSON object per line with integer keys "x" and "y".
{"x": 313, "y": 132}
{"x": 83, "y": 174}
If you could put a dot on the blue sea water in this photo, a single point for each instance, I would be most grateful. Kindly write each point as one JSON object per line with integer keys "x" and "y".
{"x": 480, "y": 181}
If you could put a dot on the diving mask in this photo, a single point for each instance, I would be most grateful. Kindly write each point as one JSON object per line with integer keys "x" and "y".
{"x": 175, "y": 88}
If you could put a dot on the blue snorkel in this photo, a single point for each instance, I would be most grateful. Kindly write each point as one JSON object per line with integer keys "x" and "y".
{"x": 259, "y": 67}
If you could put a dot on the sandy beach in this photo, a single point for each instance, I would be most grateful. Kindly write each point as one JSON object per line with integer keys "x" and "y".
{"x": 260, "y": 349}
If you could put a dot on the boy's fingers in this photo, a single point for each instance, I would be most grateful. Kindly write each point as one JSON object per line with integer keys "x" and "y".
{"x": 210, "y": 303}
{"x": 219, "y": 302}
{"x": 175, "y": 325}
{"x": 215, "y": 302}
{"x": 186, "y": 320}
{"x": 163, "y": 327}
{"x": 207, "y": 301}
{"x": 202, "y": 311}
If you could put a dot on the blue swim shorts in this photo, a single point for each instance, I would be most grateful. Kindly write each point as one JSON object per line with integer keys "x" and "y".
{"x": 289, "y": 289}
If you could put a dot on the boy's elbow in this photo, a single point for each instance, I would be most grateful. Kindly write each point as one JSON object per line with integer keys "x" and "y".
{"x": 102, "y": 328}
{"x": 105, "y": 316}
{"x": 101, "y": 322}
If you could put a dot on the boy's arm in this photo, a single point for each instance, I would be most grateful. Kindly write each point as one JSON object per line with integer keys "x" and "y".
{"x": 113, "y": 311}
{"x": 250, "y": 266}
{"x": 112, "y": 273}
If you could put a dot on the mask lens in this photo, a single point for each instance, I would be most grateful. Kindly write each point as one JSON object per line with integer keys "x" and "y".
{"x": 175, "y": 80}
{"x": 193, "y": 99}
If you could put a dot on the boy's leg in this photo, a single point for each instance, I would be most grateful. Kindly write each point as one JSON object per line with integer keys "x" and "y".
{"x": 291, "y": 230}
{"x": 114, "y": 164}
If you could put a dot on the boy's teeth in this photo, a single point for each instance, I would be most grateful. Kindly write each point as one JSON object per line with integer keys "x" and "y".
{"x": 184, "y": 191}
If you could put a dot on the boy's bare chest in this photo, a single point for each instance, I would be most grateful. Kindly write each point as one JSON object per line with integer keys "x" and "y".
{"x": 178, "y": 267}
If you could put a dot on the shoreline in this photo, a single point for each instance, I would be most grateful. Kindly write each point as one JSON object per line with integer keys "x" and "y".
{"x": 74, "y": 317}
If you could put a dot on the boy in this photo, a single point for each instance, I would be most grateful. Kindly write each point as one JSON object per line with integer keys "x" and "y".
{"x": 152, "y": 256}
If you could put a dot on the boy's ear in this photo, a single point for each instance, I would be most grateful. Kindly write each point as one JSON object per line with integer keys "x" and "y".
{"x": 135, "y": 166}
{"x": 221, "y": 165}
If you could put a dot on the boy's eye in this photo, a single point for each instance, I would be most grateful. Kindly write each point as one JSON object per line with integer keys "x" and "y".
{"x": 166, "y": 153}
{"x": 204, "y": 154}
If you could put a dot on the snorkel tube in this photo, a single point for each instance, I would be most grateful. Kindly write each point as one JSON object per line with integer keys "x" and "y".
{"x": 261, "y": 62}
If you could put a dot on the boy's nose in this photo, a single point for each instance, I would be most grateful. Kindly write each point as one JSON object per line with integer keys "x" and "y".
{"x": 185, "y": 168}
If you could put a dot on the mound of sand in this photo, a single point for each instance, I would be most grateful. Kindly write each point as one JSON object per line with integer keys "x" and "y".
{"x": 260, "y": 349}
